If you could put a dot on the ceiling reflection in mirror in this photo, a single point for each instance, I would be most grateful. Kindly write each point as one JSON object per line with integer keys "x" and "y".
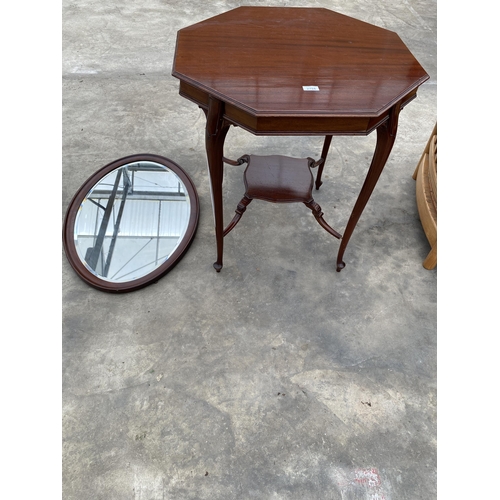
{"x": 131, "y": 221}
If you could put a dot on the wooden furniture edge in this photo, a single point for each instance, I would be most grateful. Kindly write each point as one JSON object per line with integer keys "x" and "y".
{"x": 427, "y": 202}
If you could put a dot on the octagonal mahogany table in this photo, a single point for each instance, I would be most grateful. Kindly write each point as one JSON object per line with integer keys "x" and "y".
{"x": 295, "y": 71}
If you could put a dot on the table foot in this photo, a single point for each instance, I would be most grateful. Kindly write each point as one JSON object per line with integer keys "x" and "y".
{"x": 217, "y": 267}
{"x": 340, "y": 266}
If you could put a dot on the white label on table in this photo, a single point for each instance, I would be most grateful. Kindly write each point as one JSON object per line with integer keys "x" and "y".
{"x": 310, "y": 88}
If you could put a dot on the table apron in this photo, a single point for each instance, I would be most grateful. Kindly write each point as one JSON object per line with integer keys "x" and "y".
{"x": 291, "y": 124}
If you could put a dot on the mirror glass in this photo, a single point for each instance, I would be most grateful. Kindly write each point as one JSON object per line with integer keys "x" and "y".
{"x": 131, "y": 222}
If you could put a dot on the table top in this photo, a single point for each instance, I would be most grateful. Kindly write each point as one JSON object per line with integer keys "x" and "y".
{"x": 260, "y": 61}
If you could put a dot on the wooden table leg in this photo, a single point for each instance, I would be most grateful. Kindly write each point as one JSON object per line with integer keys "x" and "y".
{"x": 216, "y": 131}
{"x": 386, "y": 135}
{"x": 324, "y": 153}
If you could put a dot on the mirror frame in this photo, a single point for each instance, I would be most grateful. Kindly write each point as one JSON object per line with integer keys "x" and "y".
{"x": 160, "y": 271}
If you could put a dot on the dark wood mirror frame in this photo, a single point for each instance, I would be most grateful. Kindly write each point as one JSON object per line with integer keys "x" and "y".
{"x": 160, "y": 271}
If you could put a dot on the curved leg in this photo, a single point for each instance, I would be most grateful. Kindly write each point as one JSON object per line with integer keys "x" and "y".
{"x": 216, "y": 131}
{"x": 324, "y": 153}
{"x": 430, "y": 261}
{"x": 240, "y": 210}
{"x": 386, "y": 135}
{"x": 318, "y": 214}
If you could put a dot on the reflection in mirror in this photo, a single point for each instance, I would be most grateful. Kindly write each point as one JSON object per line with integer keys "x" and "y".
{"x": 131, "y": 221}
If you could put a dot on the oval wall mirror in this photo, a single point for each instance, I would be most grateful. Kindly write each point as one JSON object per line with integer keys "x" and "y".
{"x": 131, "y": 222}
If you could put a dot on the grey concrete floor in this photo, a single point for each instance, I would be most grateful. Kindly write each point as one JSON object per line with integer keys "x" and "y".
{"x": 278, "y": 378}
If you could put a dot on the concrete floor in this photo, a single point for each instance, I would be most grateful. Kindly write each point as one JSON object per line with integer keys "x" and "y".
{"x": 278, "y": 378}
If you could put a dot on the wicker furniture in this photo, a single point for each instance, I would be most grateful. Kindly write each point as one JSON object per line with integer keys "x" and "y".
{"x": 426, "y": 192}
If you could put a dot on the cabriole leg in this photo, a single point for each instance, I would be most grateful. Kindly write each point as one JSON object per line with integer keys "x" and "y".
{"x": 216, "y": 131}
{"x": 386, "y": 135}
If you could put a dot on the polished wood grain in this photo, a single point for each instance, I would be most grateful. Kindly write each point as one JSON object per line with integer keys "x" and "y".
{"x": 247, "y": 68}
{"x": 257, "y": 59}
{"x": 279, "y": 179}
